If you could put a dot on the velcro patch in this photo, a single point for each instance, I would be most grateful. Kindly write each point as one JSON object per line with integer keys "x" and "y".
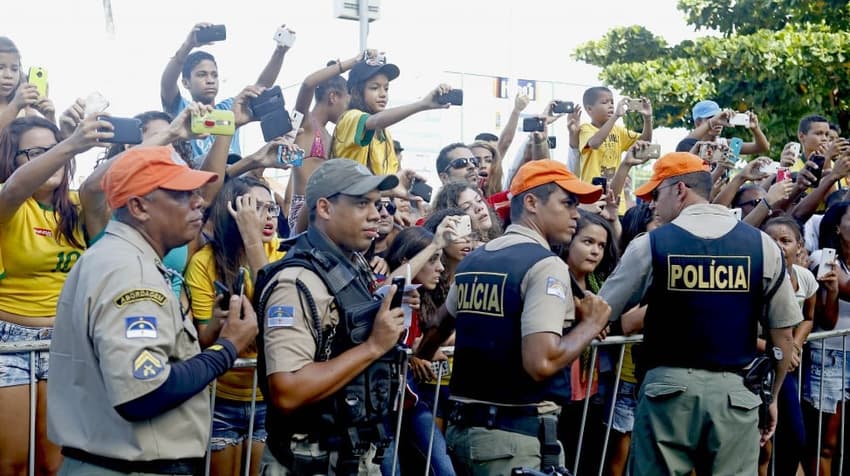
{"x": 146, "y": 366}
{"x": 280, "y": 316}
{"x": 140, "y": 327}
{"x": 141, "y": 294}
{"x": 554, "y": 287}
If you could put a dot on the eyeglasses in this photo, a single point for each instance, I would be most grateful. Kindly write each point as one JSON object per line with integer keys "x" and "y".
{"x": 461, "y": 163}
{"x": 388, "y": 206}
{"x": 750, "y": 203}
{"x": 272, "y": 209}
{"x": 34, "y": 152}
{"x": 657, "y": 189}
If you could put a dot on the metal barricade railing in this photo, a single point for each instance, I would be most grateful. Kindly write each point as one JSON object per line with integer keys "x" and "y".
{"x": 32, "y": 347}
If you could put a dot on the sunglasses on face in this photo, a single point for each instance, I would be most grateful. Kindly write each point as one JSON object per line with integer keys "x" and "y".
{"x": 461, "y": 163}
{"x": 388, "y": 206}
{"x": 749, "y": 203}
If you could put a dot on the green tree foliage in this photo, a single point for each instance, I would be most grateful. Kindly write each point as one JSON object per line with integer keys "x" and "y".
{"x": 782, "y": 59}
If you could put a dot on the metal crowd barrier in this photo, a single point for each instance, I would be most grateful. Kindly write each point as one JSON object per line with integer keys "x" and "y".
{"x": 35, "y": 346}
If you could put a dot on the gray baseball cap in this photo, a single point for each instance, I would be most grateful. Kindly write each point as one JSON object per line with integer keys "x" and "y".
{"x": 347, "y": 177}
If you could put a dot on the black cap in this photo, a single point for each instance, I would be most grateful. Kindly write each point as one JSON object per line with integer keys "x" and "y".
{"x": 364, "y": 70}
{"x": 397, "y": 146}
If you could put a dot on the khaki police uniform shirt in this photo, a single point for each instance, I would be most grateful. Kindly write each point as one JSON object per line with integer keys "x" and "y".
{"x": 118, "y": 328}
{"x": 630, "y": 281}
{"x": 288, "y": 329}
{"x": 547, "y": 298}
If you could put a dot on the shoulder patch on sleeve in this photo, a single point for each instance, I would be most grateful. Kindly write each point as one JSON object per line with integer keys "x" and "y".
{"x": 140, "y": 327}
{"x": 554, "y": 287}
{"x": 146, "y": 366}
{"x": 140, "y": 294}
{"x": 280, "y": 316}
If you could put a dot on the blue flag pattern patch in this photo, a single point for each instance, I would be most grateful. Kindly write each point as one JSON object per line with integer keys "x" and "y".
{"x": 140, "y": 327}
{"x": 280, "y": 316}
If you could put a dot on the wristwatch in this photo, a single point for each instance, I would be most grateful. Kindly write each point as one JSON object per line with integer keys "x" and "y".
{"x": 777, "y": 353}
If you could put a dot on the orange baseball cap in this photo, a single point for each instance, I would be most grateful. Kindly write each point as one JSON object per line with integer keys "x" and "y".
{"x": 670, "y": 165}
{"x": 141, "y": 170}
{"x": 541, "y": 172}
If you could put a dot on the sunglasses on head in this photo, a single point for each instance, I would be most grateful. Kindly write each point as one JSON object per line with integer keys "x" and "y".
{"x": 388, "y": 206}
{"x": 462, "y": 163}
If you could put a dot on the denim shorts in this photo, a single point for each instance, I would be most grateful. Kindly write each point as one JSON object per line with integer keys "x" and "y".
{"x": 230, "y": 423}
{"x": 834, "y": 391}
{"x": 15, "y": 368}
{"x": 624, "y": 407}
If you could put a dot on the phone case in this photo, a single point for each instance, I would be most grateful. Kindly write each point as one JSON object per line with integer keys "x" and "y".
{"x": 634, "y": 104}
{"x": 740, "y": 119}
{"x": 422, "y": 190}
{"x": 296, "y": 119}
{"x": 126, "y": 130}
{"x": 827, "y": 258}
{"x": 454, "y": 97}
{"x": 284, "y": 37}
{"x": 211, "y": 34}
{"x": 37, "y": 76}
{"x": 782, "y": 173}
{"x": 275, "y": 124}
{"x": 601, "y": 181}
{"x": 295, "y": 159}
{"x": 533, "y": 124}
{"x": 795, "y": 149}
{"x": 399, "y": 292}
{"x": 464, "y": 226}
{"x": 268, "y": 101}
{"x": 218, "y": 122}
{"x": 652, "y": 151}
{"x": 564, "y": 107}
{"x": 735, "y": 145}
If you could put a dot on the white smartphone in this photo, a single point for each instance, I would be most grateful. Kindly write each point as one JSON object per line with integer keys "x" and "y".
{"x": 737, "y": 213}
{"x": 296, "y": 118}
{"x": 827, "y": 257}
{"x": 795, "y": 149}
{"x": 770, "y": 168}
{"x": 284, "y": 37}
{"x": 464, "y": 226}
{"x": 740, "y": 119}
{"x": 95, "y": 102}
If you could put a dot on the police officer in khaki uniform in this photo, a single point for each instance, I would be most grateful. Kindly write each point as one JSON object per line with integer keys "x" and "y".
{"x": 130, "y": 390}
{"x": 708, "y": 279}
{"x": 328, "y": 390}
{"x": 512, "y": 303}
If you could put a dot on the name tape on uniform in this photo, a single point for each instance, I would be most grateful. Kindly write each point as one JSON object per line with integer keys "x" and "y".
{"x": 141, "y": 294}
{"x": 708, "y": 273}
{"x": 481, "y": 293}
{"x": 140, "y": 327}
{"x": 146, "y": 366}
{"x": 280, "y": 316}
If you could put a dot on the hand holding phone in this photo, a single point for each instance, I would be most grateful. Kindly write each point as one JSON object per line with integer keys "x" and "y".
{"x": 453, "y": 97}
{"x": 651, "y": 151}
{"x": 217, "y": 122}
{"x": 826, "y": 262}
{"x": 563, "y": 107}
{"x": 421, "y": 190}
{"x": 601, "y": 181}
{"x": 741, "y": 119}
{"x": 125, "y": 130}
{"x": 37, "y": 76}
{"x": 464, "y": 226}
{"x": 221, "y": 289}
{"x": 284, "y": 37}
{"x": 210, "y": 34}
{"x": 533, "y": 124}
{"x": 399, "y": 283}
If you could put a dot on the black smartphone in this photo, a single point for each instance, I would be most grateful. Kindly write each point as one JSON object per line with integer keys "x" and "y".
{"x": 601, "y": 181}
{"x": 399, "y": 292}
{"x": 819, "y": 160}
{"x": 270, "y": 100}
{"x": 220, "y": 288}
{"x": 211, "y": 34}
{"x": 564, "y": 107}
{"x": 127, "y": 130}
{"x": 533, "y": 124}
{"x": 553, "y": 142}
{"x": 275, "y": 124}
{"x": 422, "y": 190}
{"x": 454, "y": 97}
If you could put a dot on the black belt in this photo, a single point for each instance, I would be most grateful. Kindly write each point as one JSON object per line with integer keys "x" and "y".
{"x": 158, "y": 466}
{"x": 524, "y": 419}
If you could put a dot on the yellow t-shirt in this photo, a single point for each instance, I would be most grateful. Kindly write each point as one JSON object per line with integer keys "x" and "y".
{"x": 374, "y": 149}
{"x": 603, "y": 162}
{"x": 34, "y": 264}
{"x": 236, "y": 384}
{"x": 627, "y": 373}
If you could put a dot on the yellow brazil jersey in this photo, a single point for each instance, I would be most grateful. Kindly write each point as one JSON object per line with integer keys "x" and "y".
{"x": 34, "y": 263}
{"x": 374, "y": 149}
{"x": 603, "y": 162}
{"x": 200, "y": 275}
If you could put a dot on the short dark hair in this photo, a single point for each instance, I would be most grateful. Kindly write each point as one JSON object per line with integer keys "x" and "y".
{"x": 591, "y": 95}
{"x": 736, "y": 200}
{"x": 686, "y": 144}
{"x": 786, "y": 220}
{"x": 806, "y": 122}
{"x": 335, "y": 83}
{"x": 193, "y": 60}
{"x": 699, "y": 182}
{"x": 487, "y": 136}
{"x": 835, "y": 127}
{"x": 437, "y": 216}
{"x": 542, "y": 192}
{"x": 443, "y": 160}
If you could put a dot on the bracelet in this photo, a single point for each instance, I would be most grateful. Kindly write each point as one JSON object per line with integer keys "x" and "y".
{"x": 339, "y": 63}
{"x": 768, "y": 205}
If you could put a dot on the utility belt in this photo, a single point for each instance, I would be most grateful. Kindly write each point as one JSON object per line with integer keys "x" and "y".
{"x": 309, "y": 454}
{"x": 158, "y": 466}
{"x": 525, "y": 420}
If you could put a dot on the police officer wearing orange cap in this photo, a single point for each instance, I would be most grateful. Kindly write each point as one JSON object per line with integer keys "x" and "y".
{"x": 130, "y": 390}
{"x": 708, "y": 280}
{"x": 511, "y": 303}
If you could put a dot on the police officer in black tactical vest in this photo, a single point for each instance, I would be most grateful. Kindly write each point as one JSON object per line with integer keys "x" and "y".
{"x": 708, "y": 280}
{"x": 326, "y": 346}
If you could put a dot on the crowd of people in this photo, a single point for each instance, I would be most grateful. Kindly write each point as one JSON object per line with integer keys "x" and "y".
{"x": 349, "y": 284}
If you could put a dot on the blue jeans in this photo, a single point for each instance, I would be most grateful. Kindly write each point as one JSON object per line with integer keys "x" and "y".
{"x": 230, "y": 423}
{"x": 15, "y": 368}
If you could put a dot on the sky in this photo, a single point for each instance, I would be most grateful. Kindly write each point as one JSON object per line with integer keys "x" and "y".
{"x": 466, "y": 43}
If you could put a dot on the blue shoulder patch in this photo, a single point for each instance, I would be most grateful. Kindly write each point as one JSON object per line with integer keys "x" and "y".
{"x": 280, "y": 316}
{"x": 146, "y": 366}
{"x": 140, "y": 327}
